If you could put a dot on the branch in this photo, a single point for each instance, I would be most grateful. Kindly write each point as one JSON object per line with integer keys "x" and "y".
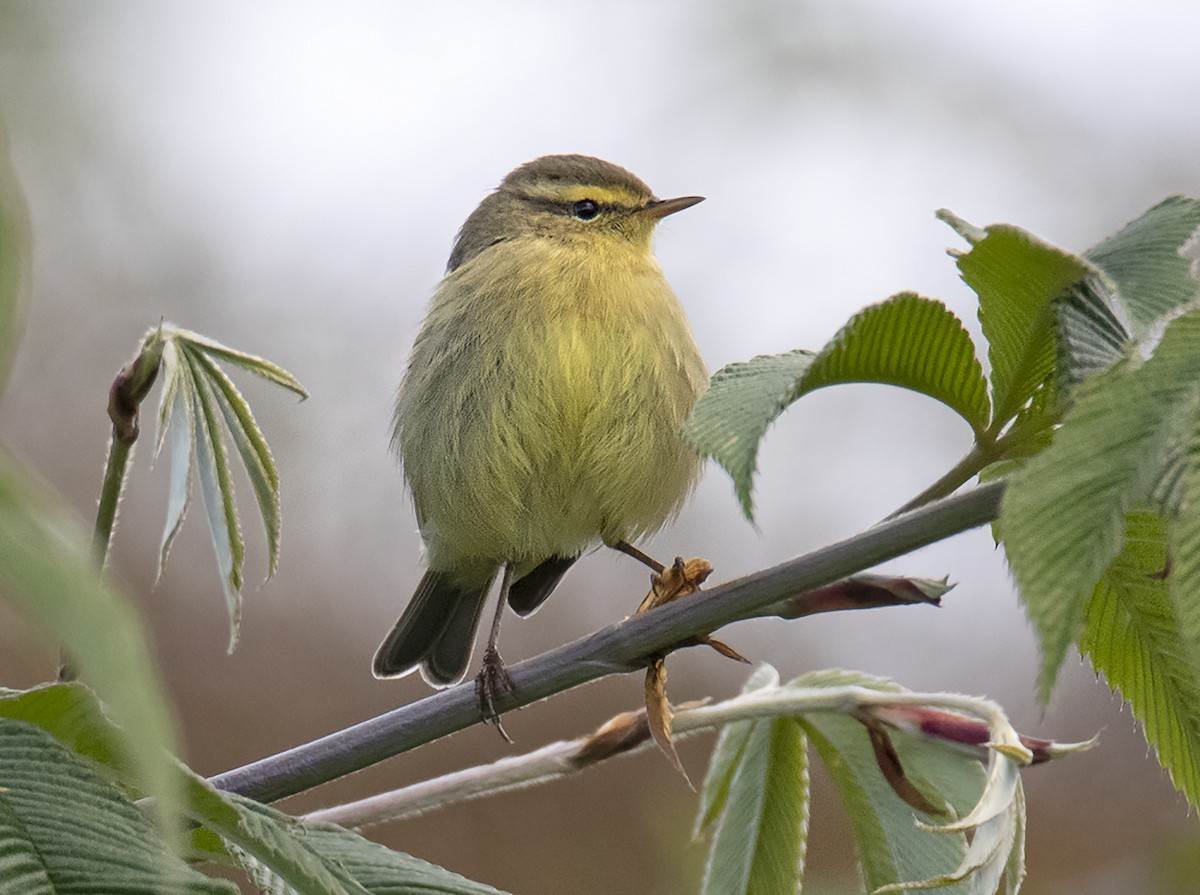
{"x": 618, "y": 648}
{"x": 962, "y": 723}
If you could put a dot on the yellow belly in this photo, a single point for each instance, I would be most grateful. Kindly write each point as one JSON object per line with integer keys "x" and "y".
{"x": 545, "y": 420}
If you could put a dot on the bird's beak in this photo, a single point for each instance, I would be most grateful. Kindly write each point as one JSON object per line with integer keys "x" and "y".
{"x": 660, "y": 208}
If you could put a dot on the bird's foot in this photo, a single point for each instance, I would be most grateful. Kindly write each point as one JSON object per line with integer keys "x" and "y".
{"x": 491, "y": 682}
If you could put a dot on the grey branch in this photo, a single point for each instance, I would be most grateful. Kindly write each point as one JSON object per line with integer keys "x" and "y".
{"x": 615, "y": 649}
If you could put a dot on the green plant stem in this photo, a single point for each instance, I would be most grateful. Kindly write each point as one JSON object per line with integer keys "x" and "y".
{"x": 957, "y": 476}
{"x": 119, "y": 453}
{"x": 616, "y": 649}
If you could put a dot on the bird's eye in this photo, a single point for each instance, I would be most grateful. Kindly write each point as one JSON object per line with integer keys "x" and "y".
{"x": 585, "y": 209}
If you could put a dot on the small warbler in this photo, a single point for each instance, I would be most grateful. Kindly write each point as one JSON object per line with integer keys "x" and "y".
{"x": 542, "y": 407}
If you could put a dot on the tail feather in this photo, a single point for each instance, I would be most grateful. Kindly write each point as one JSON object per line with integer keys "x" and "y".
{"x": 449, "y": 657}
{"x": 531, "y": 590}
{"x": 441, "y": 618}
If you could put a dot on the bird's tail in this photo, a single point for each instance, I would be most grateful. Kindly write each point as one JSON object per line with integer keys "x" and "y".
{"x": 436, "y": 631}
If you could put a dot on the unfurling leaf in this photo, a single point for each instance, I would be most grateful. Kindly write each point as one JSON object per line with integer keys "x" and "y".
{"x": 865, "y": 591}
{"x": 754, "y": 803}
{"x": 200, "y": 405}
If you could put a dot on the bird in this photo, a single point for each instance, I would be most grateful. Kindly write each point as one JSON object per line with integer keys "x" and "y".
{"x": 540, "y": 414}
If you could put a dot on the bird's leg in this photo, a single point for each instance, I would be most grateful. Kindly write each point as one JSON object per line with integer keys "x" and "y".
{"x": 493, "y": 677}
{"x": 629, "y": 550}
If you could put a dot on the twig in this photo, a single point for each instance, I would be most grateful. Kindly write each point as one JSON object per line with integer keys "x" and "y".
{"x": 618, "y": 648}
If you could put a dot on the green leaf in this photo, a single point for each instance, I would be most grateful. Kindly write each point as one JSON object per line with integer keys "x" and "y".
{"x": 370, "y": 867}
{"x": 1063, "y": 515}
{"x": 197, "y": 396}
{"x": 259, "y": 366}
{"x": 742, "y": 401}
{"x": 64, "y": 828}
{"x": 178, "y": 401}
{"x": 912, "y": 342}
{"x": 15, "y": 260}
{"x": 907, "y": 341}
{"x": 760, "y": 833}
{"x": 1017, "y": 278}
{"x": 72, "y": 715}
{"x": 1134, "y": 637}
{"x": 1144, "y": 260}
{"x": 253, "y": 449}
{"x": 1093, "y": 335}
{"x": 48, "y": 574}
{"x": 285, "y": 855}
{"x": 891, "y": 847}
{"x": 216, "y": 487}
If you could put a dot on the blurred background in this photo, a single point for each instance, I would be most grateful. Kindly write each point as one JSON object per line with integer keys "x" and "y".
{"x": 288, "y": 177}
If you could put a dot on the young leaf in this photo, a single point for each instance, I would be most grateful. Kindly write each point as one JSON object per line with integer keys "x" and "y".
{"x": 742, "y": 401}
{"x": 216, "y": 487}
{"x": 202, "y": 401}
{"x": 1017, "y": 278}
{"x": 253, "y": 449}
{"x": 1144, "y": 260}
{"x": 1133, "y": 636}
{"x": 891, "y": 847}
{"x": 259, "y": 366}
{"x": 63, "y": 827}
{"x": 759, "y": 836}
{"x": 48, "y": 573}
{"x": 912, "y": 342}
{"x": 726, "y": 755}
{"x": 178, "y": 400}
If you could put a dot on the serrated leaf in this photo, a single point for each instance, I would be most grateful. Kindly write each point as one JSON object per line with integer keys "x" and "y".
{"x": 1134, "y": 637}
{"x": 1093, "y": 330}
{"x": 1063, "y": 514}
{"x": 253, "y": 449}
{"x": 287, "y": 856}
{"x": 259, "y": 366}
{"x": 759, "y": 836}
{"x": 382, "y": 871}
{"x": 15, "y": 258}
{"x": 1144, "y": 260}
{"x": 1017, "y": 278}
{"x": 216, "y": 488}
{"x": 742, "y": 401}
{"x": 64, "y": 828}
{"x": 908, "y": 341}
{"x": 1180, "y": 489}
{"x": 48, "y": 574}
{"x": 727, "y": 752}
